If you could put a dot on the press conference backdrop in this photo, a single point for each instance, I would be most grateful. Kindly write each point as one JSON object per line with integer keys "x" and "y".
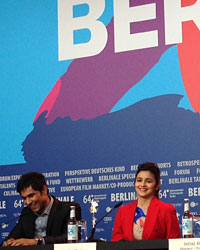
{"x": 107, "y": 85}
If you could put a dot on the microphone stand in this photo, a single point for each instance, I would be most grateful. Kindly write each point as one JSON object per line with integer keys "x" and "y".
{"x": 5, "y": 224}
{"x": 91, "y": 238}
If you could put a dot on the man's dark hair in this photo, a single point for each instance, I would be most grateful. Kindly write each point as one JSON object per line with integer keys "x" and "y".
{"x": 32, "y": 179}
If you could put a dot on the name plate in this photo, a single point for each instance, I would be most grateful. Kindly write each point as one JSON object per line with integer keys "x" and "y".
{"x": 184, "y": 244}
{"x": 76, "y": 246}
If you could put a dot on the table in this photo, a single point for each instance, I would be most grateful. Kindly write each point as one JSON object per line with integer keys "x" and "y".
{"x": 121, "y": 245}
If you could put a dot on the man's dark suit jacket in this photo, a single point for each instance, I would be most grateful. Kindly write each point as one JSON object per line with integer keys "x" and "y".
{"x": 56, "y": 226}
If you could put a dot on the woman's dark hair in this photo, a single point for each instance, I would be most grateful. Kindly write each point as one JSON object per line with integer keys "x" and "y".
{"x": 153, "y": 168}
{"x": 32, "y": 179}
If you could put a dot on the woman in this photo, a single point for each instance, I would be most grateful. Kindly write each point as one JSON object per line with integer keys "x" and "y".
{"x": 147, "y": 218}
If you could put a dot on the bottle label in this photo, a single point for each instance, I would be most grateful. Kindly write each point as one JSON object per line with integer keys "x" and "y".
{"x": 187, "y": 228}
{"x": 186, "y": 206}
{"x": 72, "y": 232}
{"x": 72, "y": 213}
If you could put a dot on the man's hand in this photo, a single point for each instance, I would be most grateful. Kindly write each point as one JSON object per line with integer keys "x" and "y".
{"x": 8, "y": 242}
{"x": 20, "y": 242}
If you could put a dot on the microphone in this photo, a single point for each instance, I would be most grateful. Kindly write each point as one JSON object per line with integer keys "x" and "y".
{"x": 118, "y": 204}
{"x": 94, "y": 228}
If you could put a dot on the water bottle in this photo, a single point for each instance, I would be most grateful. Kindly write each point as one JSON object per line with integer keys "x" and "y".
{"x": 72, "y": 227}
{"x": 187, "y": 221}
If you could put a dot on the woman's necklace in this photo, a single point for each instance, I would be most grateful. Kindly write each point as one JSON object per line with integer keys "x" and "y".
{"x": 144, "y": 207}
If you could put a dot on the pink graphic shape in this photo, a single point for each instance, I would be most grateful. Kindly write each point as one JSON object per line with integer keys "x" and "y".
{"x": 49, "y": 100}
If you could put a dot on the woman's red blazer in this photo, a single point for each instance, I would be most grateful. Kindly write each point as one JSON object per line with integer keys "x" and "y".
{"x": 161, "y": 222}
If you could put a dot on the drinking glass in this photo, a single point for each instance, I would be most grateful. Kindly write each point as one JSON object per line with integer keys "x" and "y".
{"x": 82, "y": 231}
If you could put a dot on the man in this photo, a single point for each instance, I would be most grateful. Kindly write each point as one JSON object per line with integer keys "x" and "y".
{"x": 44, "y": 219}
